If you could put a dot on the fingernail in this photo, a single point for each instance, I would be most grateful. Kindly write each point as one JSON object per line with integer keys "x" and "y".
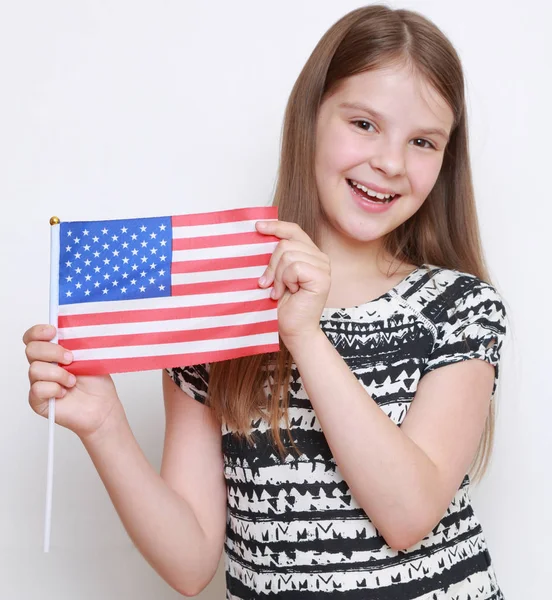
{"x": 262, "y": 280}
{"x": 72, "y": 379}
{"x": 261, "y": 224}
{"x": 273, "y": 293}
{"x": 68, "y": 357}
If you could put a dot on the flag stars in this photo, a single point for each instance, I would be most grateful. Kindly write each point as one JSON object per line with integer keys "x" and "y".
{"x": 122, "y": 265}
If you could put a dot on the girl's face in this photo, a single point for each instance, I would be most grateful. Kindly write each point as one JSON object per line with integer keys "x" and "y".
{"x": 385, "y": 130}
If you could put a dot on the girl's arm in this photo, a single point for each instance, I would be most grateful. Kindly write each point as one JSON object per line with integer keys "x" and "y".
{"x": 404, "y": 478}
{"x": 176, "y": 519}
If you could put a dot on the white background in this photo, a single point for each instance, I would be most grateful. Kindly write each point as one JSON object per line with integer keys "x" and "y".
{"x": 119, "y": 109}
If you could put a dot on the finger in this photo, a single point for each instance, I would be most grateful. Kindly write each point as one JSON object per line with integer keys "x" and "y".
{"x": 43, "y": 371}
{"x": 285, "y": 230}
{"x": 305, "y": 276}
{"x": 39, "y": 332}
{"x": 288, "y": 258}
{"x": 42, "y": 391}
{"x": 47, "y": 352}
{"x": 285, "y": 246}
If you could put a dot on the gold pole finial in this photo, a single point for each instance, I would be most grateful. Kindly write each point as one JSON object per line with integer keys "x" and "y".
{"x": 54, "y": 221}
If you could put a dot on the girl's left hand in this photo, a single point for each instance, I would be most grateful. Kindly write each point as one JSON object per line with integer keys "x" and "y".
{"x": 300, "y": 273}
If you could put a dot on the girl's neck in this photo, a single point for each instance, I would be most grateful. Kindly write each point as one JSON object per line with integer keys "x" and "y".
{"x": 361, "y": 271}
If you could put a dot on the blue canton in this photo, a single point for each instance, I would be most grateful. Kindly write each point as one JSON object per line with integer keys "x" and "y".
{"x": 115, "y": 260}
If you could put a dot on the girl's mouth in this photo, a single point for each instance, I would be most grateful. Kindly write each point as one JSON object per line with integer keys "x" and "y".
{"x": 370, "y": 195}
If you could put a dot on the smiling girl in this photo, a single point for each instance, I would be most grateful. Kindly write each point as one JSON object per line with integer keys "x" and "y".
{"x": 338, "y": 467}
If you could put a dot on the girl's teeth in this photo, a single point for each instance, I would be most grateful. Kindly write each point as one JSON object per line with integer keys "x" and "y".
{"x": 384, "y": 198}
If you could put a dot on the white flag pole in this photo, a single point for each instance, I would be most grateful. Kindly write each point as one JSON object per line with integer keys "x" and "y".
{"x": 54, "y": 305}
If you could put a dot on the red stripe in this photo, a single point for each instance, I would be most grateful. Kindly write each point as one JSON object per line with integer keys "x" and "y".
{"x": 227, "y": 239}
{"x": 226, "y": 216}
{"x": 127, "y": 365}
{"x": 169, "y": 337}
{"x": 214, "y": 287}
{"x": 218, "y": 264}
{"x": 166, "y": 314}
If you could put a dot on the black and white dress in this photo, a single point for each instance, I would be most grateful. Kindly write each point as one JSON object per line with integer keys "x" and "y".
{"x": 294, "y": 532}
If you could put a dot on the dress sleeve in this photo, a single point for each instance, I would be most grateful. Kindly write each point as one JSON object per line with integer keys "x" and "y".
{"x": 475, "y": 329}
{"x": 194, "y": 380}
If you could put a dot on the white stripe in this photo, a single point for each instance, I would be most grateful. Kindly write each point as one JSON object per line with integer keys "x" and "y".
{"x": 224, "y": 251}
{"x": 87, "y": 308}
{"x": 223, "y": 275}
{"x": 191, "y": 231}
{"x": 67, "y": 333}
{"x": 179, "y": 348}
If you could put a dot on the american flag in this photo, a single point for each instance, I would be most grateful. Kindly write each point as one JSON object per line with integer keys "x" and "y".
{"x": 151, "y": 293}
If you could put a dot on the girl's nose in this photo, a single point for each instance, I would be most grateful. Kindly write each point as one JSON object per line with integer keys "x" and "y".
{"x": 388, "y": 158}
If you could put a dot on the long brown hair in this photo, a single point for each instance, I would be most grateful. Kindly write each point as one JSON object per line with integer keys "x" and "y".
{"x": 443, "y": 232}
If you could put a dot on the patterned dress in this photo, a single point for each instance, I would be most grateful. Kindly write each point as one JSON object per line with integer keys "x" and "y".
{"x": 294, "y": 531}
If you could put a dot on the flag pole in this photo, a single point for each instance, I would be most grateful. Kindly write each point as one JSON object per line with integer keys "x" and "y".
{"x": 54, "y": 305}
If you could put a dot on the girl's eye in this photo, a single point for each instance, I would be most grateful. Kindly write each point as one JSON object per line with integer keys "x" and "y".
{"x": 430, "y": 145}
{"x": 363, "y": 124}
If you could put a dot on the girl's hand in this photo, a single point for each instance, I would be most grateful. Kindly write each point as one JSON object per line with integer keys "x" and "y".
{"x": 300, "y": 273}
{"x": 85, "y": 405}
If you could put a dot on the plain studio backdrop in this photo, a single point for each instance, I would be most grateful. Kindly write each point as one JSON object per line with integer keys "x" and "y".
{"x": 133, "y": 108}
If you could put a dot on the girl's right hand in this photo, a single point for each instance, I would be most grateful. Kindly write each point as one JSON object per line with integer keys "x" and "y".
{"x": 84, "y": 404}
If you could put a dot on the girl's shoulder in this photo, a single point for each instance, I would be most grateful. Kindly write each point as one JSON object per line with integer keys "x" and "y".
{"x": 452, "y": 297}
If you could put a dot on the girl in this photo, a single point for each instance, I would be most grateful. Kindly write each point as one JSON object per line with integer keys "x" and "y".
{"x": 336, "y": 468}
